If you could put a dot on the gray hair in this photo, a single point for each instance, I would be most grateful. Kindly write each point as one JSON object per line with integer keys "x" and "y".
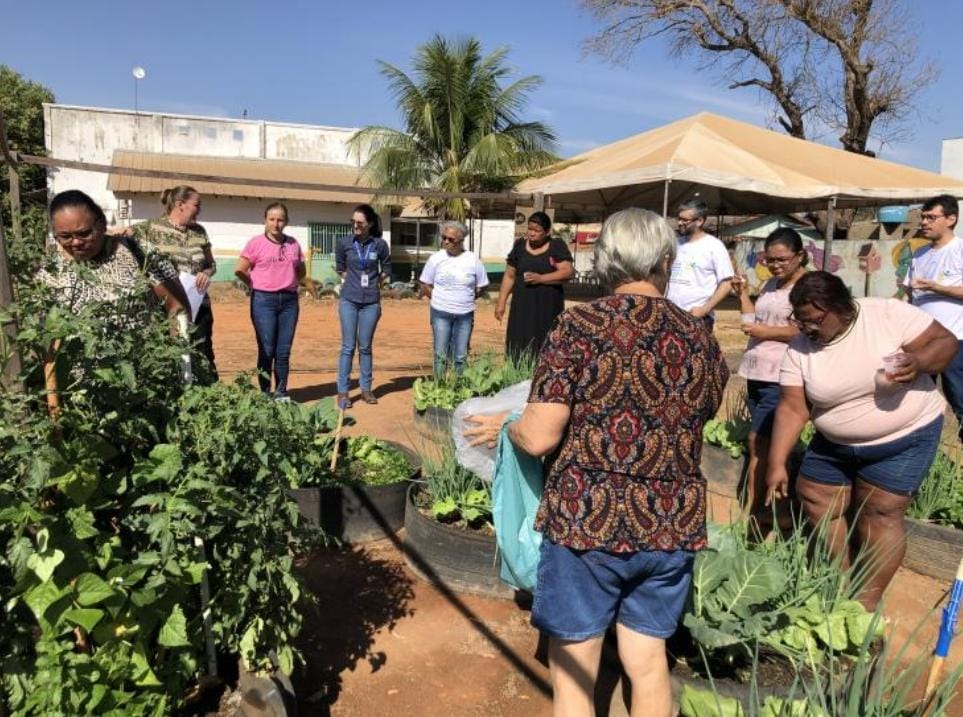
{"x": 453, "y": 224}
{"x": 633, "y": 246}
{"x": 700, "y": 208}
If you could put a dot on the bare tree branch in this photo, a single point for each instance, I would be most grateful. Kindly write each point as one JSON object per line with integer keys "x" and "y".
{"x": 836, "y": 63}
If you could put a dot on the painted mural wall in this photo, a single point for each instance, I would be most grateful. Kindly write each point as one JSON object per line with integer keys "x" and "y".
{"x": 869, "y": 268}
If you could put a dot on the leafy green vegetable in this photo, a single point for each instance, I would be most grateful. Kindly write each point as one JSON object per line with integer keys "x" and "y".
{"x": 484, "y": 376}
{"x": 940, "y": 498}
{"x": 785, "y": 594}
{"x": 373, "y": 462}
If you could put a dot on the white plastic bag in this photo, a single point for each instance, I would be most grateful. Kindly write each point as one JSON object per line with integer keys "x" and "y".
{"x": 480, "y": 460}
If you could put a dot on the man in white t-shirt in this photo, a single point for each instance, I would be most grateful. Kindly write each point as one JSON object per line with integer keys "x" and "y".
{"x": 702, "y": 271}
{"x": 935, "y": 284}
{"x": 452, "y": 278}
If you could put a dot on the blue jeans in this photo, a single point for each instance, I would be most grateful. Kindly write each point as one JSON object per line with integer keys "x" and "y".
{"x": 275, "y": 316}
{"x": 951, "y": 381}
{"x": 358, "y": 324}
{"x": 451, "y": 333}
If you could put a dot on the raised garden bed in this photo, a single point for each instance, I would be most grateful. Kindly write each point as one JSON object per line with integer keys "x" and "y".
{"x": 932, "y": 549}
{"x": 461, "y": 559}
{"x": 358, "y": 513}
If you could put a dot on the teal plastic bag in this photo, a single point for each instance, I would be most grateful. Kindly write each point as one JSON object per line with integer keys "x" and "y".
{"x": 516, "y": 492}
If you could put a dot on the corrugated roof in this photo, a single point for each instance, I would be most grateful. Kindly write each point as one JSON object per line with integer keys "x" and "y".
{"x": 275, "y": 170}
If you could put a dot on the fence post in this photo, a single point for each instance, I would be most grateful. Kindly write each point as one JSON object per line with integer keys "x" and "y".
{"x": 9, "y": 353}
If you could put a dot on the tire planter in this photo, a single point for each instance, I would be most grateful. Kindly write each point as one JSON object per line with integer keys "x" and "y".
{"x": 265, "y": 696}
{"x": 449, "y": 558}
{"x": 358, "y": 514}
{"x": 932, "y": 550}
{"x": 434, "y": 419}
{"x": 724, "y": 474}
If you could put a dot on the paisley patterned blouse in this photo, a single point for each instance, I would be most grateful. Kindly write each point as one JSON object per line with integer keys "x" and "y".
{"x": 641, "y": 377}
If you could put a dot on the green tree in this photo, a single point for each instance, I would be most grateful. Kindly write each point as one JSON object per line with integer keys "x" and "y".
{"x": 462, "y": 127}
{"x": 22, "y": 102}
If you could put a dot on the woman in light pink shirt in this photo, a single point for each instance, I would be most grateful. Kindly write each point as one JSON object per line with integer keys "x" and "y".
{"x": 864, "y": 367}
{"x": 272, "y": 264}
{"x": 767, "y": 325}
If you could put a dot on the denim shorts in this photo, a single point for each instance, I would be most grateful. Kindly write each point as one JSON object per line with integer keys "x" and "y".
{"x": 580, "y": 593}
{"x": 762, "y": 398}
{"x": 897, "y": 466}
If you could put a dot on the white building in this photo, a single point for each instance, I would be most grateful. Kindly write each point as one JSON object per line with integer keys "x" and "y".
{"x": 244, "y": 149}
{"x": 951, "y": 159}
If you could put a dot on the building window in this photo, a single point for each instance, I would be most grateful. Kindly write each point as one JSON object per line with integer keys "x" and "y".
{"x": 183, "y": 130}
{"x": 324, "y": 235}
{"x": 415, "y": 233}
{"x": 211, "y": 132}
{"x": 239, "y": 135}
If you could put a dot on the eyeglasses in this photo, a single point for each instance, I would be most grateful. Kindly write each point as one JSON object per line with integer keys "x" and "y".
{"x": 83, "y": 235}
{"x": 812, "y": 325}
{"x": 931, "y": 217}
{"x": 778, "y": 259}
{"x": 450, "y": 240}
{"x": 683, "y": 220}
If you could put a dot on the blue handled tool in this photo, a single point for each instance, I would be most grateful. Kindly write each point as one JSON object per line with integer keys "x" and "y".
{"x": 947, "y": 632}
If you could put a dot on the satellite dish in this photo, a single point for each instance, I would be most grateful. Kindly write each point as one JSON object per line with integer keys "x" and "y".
{"x": 139, "y": 73}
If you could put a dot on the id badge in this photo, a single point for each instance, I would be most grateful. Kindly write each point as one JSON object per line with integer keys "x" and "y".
{"x": 364, "y": 281}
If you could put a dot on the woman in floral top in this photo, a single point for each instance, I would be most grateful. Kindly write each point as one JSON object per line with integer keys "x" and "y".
{"x": 622, "y": 388}
{"x": 92, "y": 266}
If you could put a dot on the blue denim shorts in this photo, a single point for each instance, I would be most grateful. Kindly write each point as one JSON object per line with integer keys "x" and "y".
{"x": 580, "y": 593}
{"x": 762, "y": 398}
{"x": 897, "y": 466}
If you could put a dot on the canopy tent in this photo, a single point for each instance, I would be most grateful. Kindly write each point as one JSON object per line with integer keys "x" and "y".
{"x": 734, "y": 167}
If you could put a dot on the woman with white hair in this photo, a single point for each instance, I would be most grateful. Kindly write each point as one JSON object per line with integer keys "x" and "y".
{"x": 452, "y": 279}
{"x": 621, "y": 390}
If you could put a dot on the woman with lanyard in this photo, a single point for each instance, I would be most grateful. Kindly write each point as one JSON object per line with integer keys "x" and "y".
{"x": 362, "y": 260}
{"x": 272, "y": 264}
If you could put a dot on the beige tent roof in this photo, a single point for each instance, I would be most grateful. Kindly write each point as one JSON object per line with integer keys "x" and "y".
{"x": 276, "y": 170}
{"x": 734, "y": 167}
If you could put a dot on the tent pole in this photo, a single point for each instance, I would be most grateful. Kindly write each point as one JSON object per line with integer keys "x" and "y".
{"x": 665, "y": 199}
{"x": 830, "y": 231}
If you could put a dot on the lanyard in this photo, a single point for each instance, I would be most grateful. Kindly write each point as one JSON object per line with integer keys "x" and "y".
{"x": 362, "y": 256}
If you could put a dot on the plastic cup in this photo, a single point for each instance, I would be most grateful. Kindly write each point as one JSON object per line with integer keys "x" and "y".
{"x": 747, "y": 318}
{"x": 892, "y": 362}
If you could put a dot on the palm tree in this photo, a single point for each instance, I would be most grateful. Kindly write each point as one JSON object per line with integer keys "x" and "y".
{"x": 462, "y": 131}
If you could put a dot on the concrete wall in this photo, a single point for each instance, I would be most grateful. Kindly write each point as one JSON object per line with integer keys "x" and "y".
{"x": 92, "y": 134}
{"x": 951, "y": 163}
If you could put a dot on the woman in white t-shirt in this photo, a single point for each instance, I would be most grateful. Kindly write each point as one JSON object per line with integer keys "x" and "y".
{"x": 864, "y": 369}
{"x": 767, "y": 325}
{"x": 452, "y": 278}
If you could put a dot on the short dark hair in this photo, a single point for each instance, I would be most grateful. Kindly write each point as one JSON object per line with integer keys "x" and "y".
{"x": 824, "y": 291}
{"x": 789, "y": 238}
{"x": 276, "y": 205}
{"x": 74, "y": 198}
{"x": 370, "y": 216}
{"x": 947, "y": 203}
{"x": 542, "y": 219}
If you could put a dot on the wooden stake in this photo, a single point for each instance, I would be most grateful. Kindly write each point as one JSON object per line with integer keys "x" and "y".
{"x": 337, "y": 437}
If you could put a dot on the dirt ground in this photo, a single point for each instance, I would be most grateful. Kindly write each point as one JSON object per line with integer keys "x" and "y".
{"x": 385, "y": 642}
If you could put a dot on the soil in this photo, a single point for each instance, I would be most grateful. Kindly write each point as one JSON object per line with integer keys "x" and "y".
{"x": 382, "y": 642}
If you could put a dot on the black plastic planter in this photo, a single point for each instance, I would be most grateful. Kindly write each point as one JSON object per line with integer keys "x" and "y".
{"x": 459, "y": 560}
{"x": 357, "y": 514}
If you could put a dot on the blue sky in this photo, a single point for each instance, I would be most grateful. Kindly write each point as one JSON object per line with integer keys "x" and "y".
{"x": 314, "y": 62}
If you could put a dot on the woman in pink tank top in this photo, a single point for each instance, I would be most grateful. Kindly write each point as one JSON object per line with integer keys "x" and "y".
{"x": 767, "y": 325}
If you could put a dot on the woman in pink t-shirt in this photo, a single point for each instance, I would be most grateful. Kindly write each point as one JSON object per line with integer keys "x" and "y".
{"x": 272, "y": 264}
{"x": 864, "y": 367}
{"x": 767, "y": 325}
